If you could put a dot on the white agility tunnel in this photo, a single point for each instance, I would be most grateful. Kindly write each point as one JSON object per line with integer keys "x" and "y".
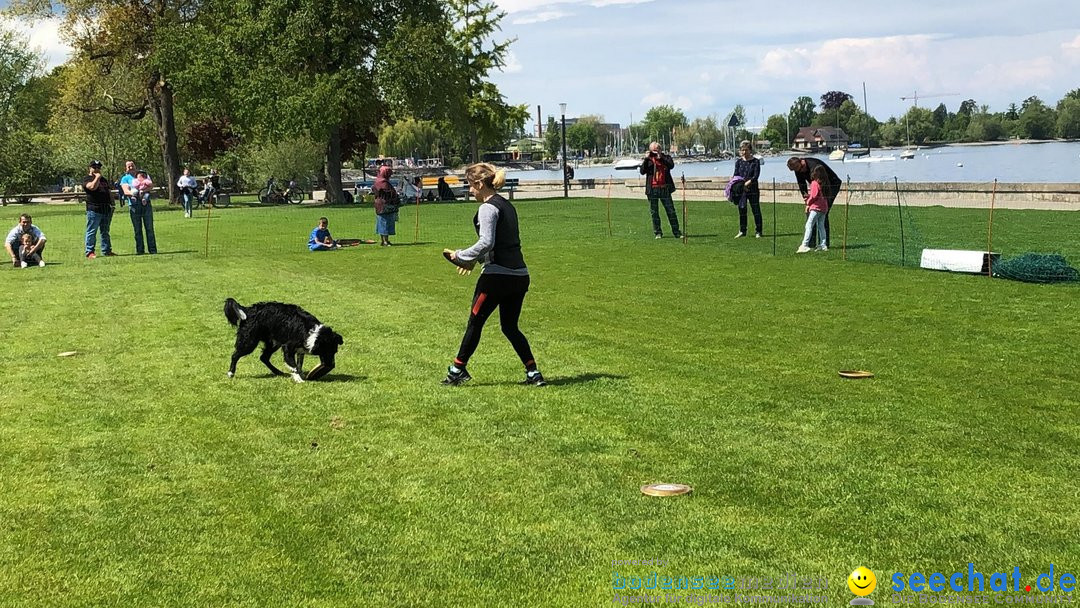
{"x": 958, "y": 260}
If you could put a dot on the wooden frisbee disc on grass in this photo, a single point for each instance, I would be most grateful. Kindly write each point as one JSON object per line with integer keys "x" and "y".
{"x": 855, "y": 374}
{"x": 665, "y": 489}
{"x": 68, "y": 353}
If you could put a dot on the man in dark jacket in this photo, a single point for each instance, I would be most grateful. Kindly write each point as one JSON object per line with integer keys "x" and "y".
{"x": 656, "y": 167}
{"x": 802, "y": 168}
{"x": 99, "y": 210}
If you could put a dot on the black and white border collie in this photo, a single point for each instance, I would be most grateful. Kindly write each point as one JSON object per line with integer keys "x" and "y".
{"x": 288, "y": 327}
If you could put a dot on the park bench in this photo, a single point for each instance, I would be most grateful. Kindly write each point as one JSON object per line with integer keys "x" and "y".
{"x": 511, "y": 184}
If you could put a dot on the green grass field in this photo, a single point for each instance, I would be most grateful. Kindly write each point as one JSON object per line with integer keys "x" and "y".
{"x": 136, "y": 474}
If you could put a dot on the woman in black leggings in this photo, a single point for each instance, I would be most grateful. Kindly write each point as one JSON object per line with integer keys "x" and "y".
{"x": 504, "y": 279}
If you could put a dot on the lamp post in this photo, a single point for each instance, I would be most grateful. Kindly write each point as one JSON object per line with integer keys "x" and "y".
{"x": 565, "y": 183}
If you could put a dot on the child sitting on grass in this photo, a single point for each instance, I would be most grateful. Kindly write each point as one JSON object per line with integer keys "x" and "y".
{"x": 27, "y": 255}
{"x": 320, "y": 239}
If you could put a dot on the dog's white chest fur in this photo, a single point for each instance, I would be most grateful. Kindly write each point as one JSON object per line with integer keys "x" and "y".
{"x": 309, "y": 344}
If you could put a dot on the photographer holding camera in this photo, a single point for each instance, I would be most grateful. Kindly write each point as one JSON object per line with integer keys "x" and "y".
{"x": 99, "y": 210}
{"x": 656, "y": 167}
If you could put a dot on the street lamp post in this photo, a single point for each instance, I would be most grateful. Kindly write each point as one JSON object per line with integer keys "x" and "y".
{"x": 565, "y": 182}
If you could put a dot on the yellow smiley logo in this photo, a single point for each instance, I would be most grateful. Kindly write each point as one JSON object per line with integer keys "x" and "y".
{"x": 862, "y": 581}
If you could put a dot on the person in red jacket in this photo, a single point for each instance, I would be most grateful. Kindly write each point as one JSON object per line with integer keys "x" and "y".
{"x": 656, "y": 167}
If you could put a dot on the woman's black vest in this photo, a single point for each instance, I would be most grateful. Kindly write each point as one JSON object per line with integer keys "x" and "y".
{"x": 507, "y": 250}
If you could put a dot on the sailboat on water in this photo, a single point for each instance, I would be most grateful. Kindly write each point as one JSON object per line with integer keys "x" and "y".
{"x": 908, "y": 153}
{"x": 862, "y": 155}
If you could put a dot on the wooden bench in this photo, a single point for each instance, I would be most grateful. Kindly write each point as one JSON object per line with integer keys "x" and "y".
{"x": 457, "y": 185}
{"x": 432, "y": 181}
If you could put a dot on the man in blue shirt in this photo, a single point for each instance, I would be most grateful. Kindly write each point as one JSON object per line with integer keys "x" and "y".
{"x": 142, "y": 213}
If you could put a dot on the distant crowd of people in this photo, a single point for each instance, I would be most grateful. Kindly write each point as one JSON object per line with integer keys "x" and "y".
{"x": 25, "y": 243}
{"x": 818, "y": 184}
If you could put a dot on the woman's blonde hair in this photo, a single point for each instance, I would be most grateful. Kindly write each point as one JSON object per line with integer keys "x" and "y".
{"x": 486, "y": 174}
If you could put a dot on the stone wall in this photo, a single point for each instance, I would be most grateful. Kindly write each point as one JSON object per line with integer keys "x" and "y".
{"x": 952, "y": 194}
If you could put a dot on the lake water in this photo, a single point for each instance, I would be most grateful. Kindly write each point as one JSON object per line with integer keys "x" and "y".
{"x": 1051, "y": 162}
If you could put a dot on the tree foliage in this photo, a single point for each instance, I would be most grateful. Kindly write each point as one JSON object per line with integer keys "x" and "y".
{"x": 1036, "y": 120}
{"x": 1068, "y": 116}
{"x": 585, "y": 134}
{"x": 801, "y": 114}
{"x": 833, "y": 100}
{"x": 660, "y": 122}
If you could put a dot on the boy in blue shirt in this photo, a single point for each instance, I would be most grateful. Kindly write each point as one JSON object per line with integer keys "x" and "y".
{"x": 320, "y": 239}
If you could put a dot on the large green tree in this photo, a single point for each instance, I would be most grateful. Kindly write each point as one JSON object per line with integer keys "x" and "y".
{"x": 918, "y": 125}
{"x": 831, "y": 103}
{"x": 706, "y": 132}
{"x": 139, "y": 41}
{"x": 553, "y": 138}
{"x": 585, "y": 134}
{"x": 660, "y": 122}
{"x": 26, "y": 97}
{"x": 1037, "y": 121}
{"x": 801, "y": 114}
{"x": 1068, "y": 115}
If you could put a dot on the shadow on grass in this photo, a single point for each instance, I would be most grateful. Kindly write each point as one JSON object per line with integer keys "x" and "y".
{"x": 584, "y": 378}
{"x": 129, "y": 255}
{"x": 341, "y": 378}
{"x": 568, "y": 381}
{"x": 419, "y": 244}
{"x": 701, "y": 236}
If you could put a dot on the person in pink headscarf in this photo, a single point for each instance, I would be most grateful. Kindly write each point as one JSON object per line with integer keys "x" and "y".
{"x": 387, "y": 202}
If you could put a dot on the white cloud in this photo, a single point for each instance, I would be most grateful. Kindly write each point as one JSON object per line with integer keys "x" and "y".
{"x": 541, "y": 6}
{"x": 521, "y": 6}
{"x": 540, "y": 17}
{"x": 512, "y": 66}
{"x": 1073, "y": 46}
{"x": 599, "y": 3}
{"x": 681, "y": 102}
{"x": 1021, "y": 74}
{"x": 44, "y": 37}
{"x": 902, "y": 58}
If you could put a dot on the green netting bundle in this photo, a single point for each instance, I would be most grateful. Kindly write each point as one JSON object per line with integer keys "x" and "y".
{"x": 1036, "y": 268}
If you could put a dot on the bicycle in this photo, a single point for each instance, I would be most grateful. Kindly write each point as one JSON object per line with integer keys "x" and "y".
{"x": 272, "y": 194}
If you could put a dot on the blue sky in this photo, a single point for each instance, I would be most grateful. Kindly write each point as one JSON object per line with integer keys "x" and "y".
{"x": 621, "y": 57}
{"x": 618, "y": 58}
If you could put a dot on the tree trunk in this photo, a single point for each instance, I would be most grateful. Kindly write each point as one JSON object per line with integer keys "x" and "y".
{"x": 160, "y": 94}
{"x": 333, "y": 166}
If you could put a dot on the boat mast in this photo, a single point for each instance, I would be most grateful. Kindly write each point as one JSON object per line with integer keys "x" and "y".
{"x": 866, "y": 112}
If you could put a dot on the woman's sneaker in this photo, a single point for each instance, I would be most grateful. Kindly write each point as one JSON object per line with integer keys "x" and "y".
{"x": 456, "y": 378}
{"x": 535, "y": 378}
{"x": 802, "y": 249}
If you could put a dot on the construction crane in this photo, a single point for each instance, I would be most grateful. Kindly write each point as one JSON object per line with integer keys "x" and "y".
{"x": 915, "y": 97}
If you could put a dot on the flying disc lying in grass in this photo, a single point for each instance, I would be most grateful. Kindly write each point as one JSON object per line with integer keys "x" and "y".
{"x": 855, "y": 374}
{"x": 665, "y": 489}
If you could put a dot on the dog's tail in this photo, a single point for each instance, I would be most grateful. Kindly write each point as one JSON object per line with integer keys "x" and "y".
{"x": 234, "y": 312}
